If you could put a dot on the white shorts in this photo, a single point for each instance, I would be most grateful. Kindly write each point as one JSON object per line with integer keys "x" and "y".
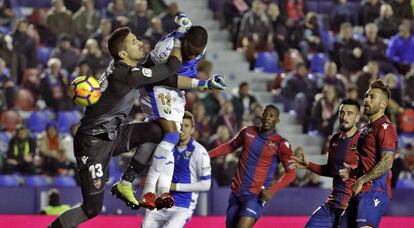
{"x": 163, "y": 102}
{"x": 175, "y": 217}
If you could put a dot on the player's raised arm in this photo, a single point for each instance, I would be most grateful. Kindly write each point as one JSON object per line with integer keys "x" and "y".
{"x": 229, "y": 147}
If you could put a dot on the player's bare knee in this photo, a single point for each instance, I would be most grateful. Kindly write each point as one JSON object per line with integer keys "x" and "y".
{"x": 167, "y": 125}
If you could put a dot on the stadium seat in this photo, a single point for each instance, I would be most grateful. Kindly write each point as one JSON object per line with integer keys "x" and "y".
{"x": 317, "y": 63}
{"x": 64, "y": 181}
{"x": 36, "y": 181}
{"x": 267, "y": 62}
{"x": 43, "y": 53}
{"x": 38, "y": 121}
{"x": 9, "y": 181}
{"x": 66, "y": 119}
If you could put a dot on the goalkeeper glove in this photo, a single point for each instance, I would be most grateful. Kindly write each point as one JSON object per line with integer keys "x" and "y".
{"x": 184, "y": 24}
{"x": 215, "y": 82}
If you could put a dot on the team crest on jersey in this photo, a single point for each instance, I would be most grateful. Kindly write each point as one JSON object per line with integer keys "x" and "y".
{"x": 167, "y": 110}
{"x": 147, "y": 72}
{"x": 97, "y": 183}
{"x": 187, "y": 155}
{"x": 353, "y": 147}
{"x": 271, "y": 144}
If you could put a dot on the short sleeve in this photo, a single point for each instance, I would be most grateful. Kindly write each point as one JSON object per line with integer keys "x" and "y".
{"x": 203, "y": 164}
{"x": 285, "y": 151}
{"x": 387, "y": 138}
{"x": 162, "y": 50}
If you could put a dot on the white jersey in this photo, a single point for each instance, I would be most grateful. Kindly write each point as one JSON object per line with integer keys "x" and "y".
{"x": 192, "y": 171}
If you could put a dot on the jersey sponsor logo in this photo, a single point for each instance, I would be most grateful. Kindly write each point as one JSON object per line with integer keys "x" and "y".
{"x": 271, "y": 144}
{"x": 251, "y": 211}
{"x": 361, "y": 220}
{"x": 147, "y": 72}
{"x": 97, "y": 183}
{"x": 385, "y": 125}
{"x": 84, "y": 159}
{"x": 376, "y": 202}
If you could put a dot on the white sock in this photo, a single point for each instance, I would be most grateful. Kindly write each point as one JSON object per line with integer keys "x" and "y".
{"x": 164, "y": 181}
{"x": 159, "y": 159}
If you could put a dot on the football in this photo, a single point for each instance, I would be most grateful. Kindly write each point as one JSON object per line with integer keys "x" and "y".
{"x": 85, "y": 90}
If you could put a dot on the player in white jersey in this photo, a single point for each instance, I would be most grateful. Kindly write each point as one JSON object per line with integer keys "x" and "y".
{"x": 192, "y": 174}
{"x": 166, "y": 106}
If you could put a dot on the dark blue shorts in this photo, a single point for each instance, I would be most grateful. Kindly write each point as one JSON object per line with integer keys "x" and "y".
{"x": 243, "y": 205}
{"x": 371, "y": 206}
{"x": 327, "y": 217}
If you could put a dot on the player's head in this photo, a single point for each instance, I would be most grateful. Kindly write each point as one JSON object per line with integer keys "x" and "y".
{"x": 187, "y": 127}
{"x": 348, "y": 114}
{"x": 376, "y": 98}
{"x": 270, "y": 118}
{"x": 195, "y": 42}
{"x": 123, "y": 45}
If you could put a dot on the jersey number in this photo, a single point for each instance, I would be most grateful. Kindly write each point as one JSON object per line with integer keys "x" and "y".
{"x": 96, "y": 170}
{"x": 165, "y": 99}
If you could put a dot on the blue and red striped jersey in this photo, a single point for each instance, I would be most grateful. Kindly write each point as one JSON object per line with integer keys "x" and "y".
{"x": 342, "y": 150}
{"x": 260, "y": 156}
{"x": 377, "y": 137}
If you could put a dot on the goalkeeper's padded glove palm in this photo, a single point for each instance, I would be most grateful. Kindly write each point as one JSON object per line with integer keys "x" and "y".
{"x": 184, "y": 24}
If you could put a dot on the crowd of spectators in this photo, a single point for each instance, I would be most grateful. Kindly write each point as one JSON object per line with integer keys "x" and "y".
{"x": 320, "y": 59}
{"x": 325, "y": 51}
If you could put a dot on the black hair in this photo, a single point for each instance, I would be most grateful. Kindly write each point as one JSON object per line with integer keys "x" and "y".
{"x": 351, "y": 102}
{"x": 274, "y": 108}
{"x": 197, "y": 36}
{"x": 115, "y": 42}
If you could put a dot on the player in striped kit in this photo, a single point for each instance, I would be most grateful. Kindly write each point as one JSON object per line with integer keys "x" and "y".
{"x": 262, "y": 150}
{"x": 342, "y": 149}
{"x": 377, "y": 146}
{"x": 192, "y": 174}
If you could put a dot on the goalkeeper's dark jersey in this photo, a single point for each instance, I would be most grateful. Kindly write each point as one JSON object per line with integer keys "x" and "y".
{"x": 122, "y": 83}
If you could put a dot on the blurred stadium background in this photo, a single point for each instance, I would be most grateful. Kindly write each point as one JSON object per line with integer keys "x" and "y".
{"x": 258, "y": 46}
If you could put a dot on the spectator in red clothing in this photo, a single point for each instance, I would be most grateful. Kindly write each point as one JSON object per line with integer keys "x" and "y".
{"x": 52, "y": 151}
{"x": 252, "y": 185}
